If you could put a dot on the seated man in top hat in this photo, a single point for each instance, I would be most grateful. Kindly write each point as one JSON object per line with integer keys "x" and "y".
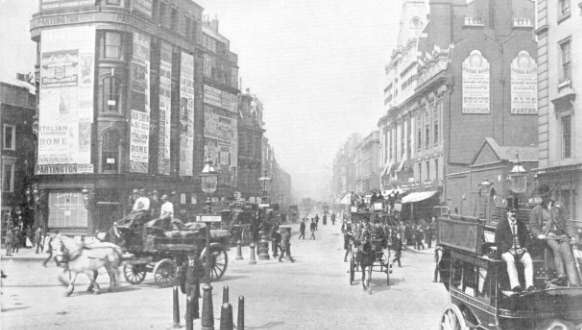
{"x": 511, "y": 238}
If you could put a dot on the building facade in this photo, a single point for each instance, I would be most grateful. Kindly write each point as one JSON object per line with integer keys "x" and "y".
{"x": 220, "y": 88}
{"x": 250, "y": 136}
{"x": 120, "y": 107}
{"x": 17, "y": 112}
{"x": 344, "y": 168}
{"x": 473, "y": 77}
{"x": 367, "y": 165}
{"x": 559, "y": 80}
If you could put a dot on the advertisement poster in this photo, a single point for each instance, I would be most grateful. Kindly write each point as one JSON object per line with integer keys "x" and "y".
{"x": 139, "y": 103}
{"x": 66, "y": 100}
{"x": 524, "y": 85}
{"x": 143, "y": 6}
{"x": 165, "y": 119}
{"x": 221, "y": 99}
{"x": 475, "y": 89}
{"x": 186, "y": 114}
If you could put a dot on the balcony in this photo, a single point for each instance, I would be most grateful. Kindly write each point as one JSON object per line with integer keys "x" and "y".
{"x": 525, "y": 22}
{"x": 473, "y": 21}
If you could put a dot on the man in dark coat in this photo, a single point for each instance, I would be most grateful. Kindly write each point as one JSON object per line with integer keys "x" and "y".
{"x": 511, "y": 238}
{"x": 313, "y": 228}
{"x": 397, "y": 247}
{"x": 302, "y": 229}
{"x": 286, "y": 245}
{"x": 276, "y": 241}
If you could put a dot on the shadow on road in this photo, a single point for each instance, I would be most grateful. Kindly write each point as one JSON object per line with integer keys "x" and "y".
{"x": 9, "y": 309}
{"x": 268, "y": 325}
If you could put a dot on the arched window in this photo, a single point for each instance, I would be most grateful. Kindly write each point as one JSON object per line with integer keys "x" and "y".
{"x": 110, "y": 93}
{"x": 110, "y": 151}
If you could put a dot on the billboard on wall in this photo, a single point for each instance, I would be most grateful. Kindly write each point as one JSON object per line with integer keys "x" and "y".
{"x": 66, "y": 100}
{"x": 186, "y": 114}
{"x": 139, "y": 104}
{"x": 524, "y": 84}
{"x": 165, "y": 97}
{"x": 475, "y": 86}
{"x": 221, "y": 99}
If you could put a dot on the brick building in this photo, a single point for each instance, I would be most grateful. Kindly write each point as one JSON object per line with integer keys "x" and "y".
{"x": 120, "y": 106}
{"x": 559, "y": 80}
{"x": 17, "y": 111}
{"x": 473, "y": 67}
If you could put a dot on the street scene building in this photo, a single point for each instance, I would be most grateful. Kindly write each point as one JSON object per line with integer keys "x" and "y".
{"x": 250, "y": 137}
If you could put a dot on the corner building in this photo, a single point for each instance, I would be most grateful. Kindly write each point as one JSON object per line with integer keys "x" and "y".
{"x": 120, "y": 107}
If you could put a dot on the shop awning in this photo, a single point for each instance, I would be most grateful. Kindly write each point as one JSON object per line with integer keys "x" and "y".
{"x": 388, "y": 192}
{"x": 418, "y": 196}
{"x": 347, "y": 199}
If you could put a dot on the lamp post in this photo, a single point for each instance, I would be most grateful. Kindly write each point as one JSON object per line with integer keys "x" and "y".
{"x": 517, "y": 179}
{"x": 209, "y": 185}
{"x": 263, "y": 244}
{"x": 265, "y": 180}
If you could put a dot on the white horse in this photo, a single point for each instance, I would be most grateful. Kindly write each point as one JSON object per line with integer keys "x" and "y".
{"x": 79, "y": 258}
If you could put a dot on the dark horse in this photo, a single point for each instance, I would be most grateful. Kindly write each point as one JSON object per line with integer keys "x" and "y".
{"x": 365, "y": 258}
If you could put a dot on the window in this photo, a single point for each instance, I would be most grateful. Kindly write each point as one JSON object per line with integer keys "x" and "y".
{"x": 187, "y": 26}
{"x": 110, "y": 151}
{"x": 427, "y": 170}
{"x": 563, "y": 9}
{"x": 173, "y": 19}
{"x": 162, "y": 14}
{"x": 110, "y": 92}
{"x": 436, "y": 170}
{"x": 566, "y": 124}
{"x": 436, "y": 121}
{"x": 409, "y": 135}
{"x": 112, "y": 45}
{"x": 426, "y": 130}
{"x": 113, "y": 2}
{"x": 402, "y": 137}
{"x": 8, "y": 176}
{"x": 565, "y": 61}
{"x": 391, "y": 147}
{"x": 418, "y": 132}
{"x": 9, "y": 140}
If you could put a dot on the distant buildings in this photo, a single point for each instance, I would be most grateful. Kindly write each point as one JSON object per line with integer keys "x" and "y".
{"x": 367, "y": 165}
{"x": 559, "y": 80}
{"x": 250, "y": 137}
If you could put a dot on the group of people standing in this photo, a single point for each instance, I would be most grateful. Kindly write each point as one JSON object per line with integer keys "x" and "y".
{"x": 18, "y": 235}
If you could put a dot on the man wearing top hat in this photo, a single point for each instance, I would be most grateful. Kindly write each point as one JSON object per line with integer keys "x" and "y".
{"x": 511, "y": 238}
{"x": 548, "y": 222}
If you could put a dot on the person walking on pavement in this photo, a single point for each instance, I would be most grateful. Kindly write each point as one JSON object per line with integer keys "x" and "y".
{"x": 286, "y": 246}
{"x": 397, "y": 246}
{"x": 38, "y": 240}
{"x": 418, "y": 234}
{"x": 276, "y": 241}
{"x": 313, "y": 228}
{"x": 302, "y": 229}
{"x": 316, "y": 221}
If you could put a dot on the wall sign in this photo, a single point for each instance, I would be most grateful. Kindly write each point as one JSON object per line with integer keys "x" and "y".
{"x": 140, "y": 104}
{"x": 524, "y": 84}
{"x": 476, "y": 80}
{"x": 165, "y": 119}
{"x": 186, "y": 114}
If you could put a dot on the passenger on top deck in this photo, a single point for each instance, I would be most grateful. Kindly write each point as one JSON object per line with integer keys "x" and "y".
{"x": 548, "y": 222}
{"x": 511, "y": 238}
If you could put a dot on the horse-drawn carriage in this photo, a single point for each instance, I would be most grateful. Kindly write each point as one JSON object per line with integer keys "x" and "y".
{"x": 476, "y": 280}
{"x": 166, "y": 250}
{"x": 369, "y": 250}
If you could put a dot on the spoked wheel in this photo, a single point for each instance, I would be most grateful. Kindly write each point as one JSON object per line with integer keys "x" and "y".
{"x": 165, "y": 273}
{"x": 134, "y": 273}
{"x": 218, "y": 262}
{"x": 452, "y": 319}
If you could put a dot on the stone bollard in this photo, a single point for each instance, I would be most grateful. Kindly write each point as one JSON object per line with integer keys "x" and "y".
{"x": 176, "y": 307}
{"x": 253, "y": 259}
{"x": 225, "y": 294}
{"x": 263, "y": 247}
{"x": 207, "y": 312}
{"x": 239, "y": 250}
{"x": 240, "y": 317}
{"x": 189, "y": 318}
{"x": 226, "y": 317}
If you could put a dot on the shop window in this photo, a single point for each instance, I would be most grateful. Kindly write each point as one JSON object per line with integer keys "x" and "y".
{"x": 67, "y": 210}
{"x": 111, "y": 45}
{"x": 9, "y": 138}
{"x": 566, "y": 127}
{"x": 110, "y": 93}
{"x": 110, "y": 151}
{"x": 8, "y": 176}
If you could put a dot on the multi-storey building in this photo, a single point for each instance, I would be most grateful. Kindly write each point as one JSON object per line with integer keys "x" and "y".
{"x": 474, "y": 65}
{"x": 119, "y": 92}
{"x": 220, "y": 88}
{"x": 559, "y": 80}
{"x": 250, "y": 135}
{"x": 367, "y": 166}
{"x": 344, "y": 168}
{"x": 17, "y": 111}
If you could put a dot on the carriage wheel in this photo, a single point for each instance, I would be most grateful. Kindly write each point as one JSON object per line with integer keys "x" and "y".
{"x": 134, "y": 273}
{"x": 218, "y": 262}
{"x": 452, "y": 319}
{"x": 165, "y": 273}
{"x": 352, "y": 270}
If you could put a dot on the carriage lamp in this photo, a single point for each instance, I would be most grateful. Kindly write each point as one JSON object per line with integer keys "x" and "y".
{"x": 517, "y": 177}
{"x": 209, "y": 178}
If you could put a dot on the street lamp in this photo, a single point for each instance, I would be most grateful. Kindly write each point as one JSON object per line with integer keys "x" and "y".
{"x": 265, "y": 180}
{"x": 209, "y": 185}
{"x": 517, "y": 177}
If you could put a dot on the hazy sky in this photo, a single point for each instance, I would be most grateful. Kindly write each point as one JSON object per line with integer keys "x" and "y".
{"x": 317, "y": 66}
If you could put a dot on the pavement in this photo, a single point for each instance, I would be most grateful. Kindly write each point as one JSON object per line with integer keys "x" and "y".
{"x": 312, "y": 293}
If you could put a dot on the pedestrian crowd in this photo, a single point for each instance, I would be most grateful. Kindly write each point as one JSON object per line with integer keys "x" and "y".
{"x": 20, "y": 233}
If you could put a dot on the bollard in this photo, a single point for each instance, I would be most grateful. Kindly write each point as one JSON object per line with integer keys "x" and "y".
{"x": 176, "y": 307}
{"x": 207, "y": 312}
{"x": 253, "y": 258}
{"x": 239, "y": 251}
{"x": 196, "y": 305}
{"x": 263, "y": 248}
{"x": 226, "y": 317}
{"x": 240, "y": 317}
{"x": 225, "y": 294}
{"x": 189, "y": 318}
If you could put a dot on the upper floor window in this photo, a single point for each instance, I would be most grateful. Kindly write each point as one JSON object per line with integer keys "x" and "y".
{"x": 565, "y": 61}
{"x": 436, "y": 170}
{"x": 8, "y": 175}
{"x": 163, "y": 14}
{"x": 112, "y": 45}
{"x": 427, "y": 170}
{"x": 9, "y": 138}
{"x": 110, "y": 93}
{"x": 563, "y": 9}
{"x": 174, "y": 19}
{"x": 566, "y": 127}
